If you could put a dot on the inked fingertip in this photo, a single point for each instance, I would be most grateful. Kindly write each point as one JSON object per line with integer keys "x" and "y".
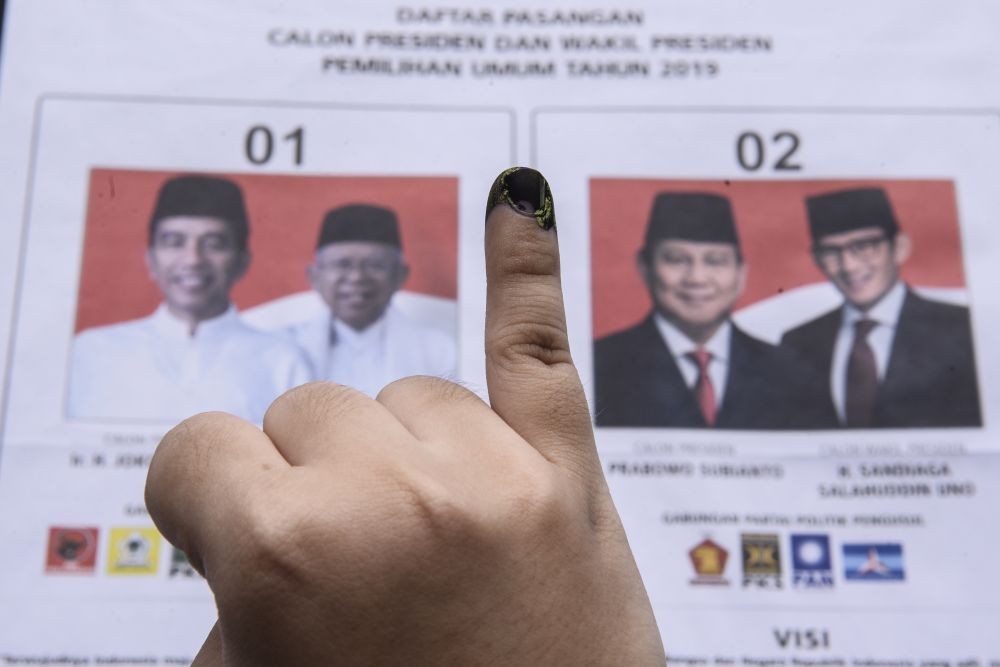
{"x": 527, "y": 192}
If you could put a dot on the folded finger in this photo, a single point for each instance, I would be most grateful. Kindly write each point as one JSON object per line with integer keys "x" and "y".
{"x": 199, "y": 474}
{"x": 433, "y": 409}
{"x": 322, "y": 422}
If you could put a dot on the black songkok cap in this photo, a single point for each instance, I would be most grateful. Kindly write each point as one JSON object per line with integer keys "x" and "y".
{"x": 691, "y": 216}
{"x": 360, "y": 222}
{"x": 203, "y": 196}
{"x": 847, "y": 210}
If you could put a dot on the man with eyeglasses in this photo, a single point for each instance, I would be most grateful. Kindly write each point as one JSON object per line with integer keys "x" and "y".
{"x": 364, "y": 342}
{"x": 892, "y": 359}
{"x": 687, "y": 365}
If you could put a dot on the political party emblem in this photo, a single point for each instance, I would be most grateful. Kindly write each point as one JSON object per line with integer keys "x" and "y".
{"x": 811, "y": 562}
{"x": 873, "y": 562}
{"x": 133, "y": 551}
{"x": 71, "y": 550}
{"x": 761, "y": 560}
{"x": 180, "y": 566}
{"x": 709, "y": 562}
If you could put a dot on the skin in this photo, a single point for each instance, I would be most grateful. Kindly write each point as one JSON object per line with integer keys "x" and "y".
{"x": 693, "y": 284}
{"x": 357, "y": 279}
{"x": 864, "y": 281}
{"x": 424, "y": 527}
{"x": 195, "y": 262}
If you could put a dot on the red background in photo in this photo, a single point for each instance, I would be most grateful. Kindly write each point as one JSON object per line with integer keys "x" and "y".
{"x": 771, "y": 221}
{"x": 285, "y": 214}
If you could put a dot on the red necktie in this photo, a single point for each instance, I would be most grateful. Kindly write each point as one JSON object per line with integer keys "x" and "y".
{"x": 862, "y": 377}
{"x": 704, "y": 392}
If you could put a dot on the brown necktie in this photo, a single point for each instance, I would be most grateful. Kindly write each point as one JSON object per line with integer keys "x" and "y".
{"x": 704, "y": 392}
{"x": 862, "y": 377}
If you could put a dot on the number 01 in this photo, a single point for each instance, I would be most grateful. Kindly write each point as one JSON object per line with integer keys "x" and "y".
{"x": 258, "y": 146}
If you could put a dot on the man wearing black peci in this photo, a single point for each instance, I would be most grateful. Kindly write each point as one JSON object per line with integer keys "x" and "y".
{"x": 363, "y": 340}
{"x": 686, "y": 365}
{"x": 888, "y": 357}
{"x": 193, "y": 353}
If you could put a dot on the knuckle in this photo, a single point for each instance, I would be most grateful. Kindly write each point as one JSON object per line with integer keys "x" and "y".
{"x": 193, "y": 431}
{"x": 534, "y": 336}
{"x": 402, "y": 387}
{"x": 270, "y": 546}
{"x": 305, "y": 394}
{"x": 311, "y": 403}
{"x": 181, "y": 469}
{"x": 425, "y": 389}
{"x": 543, "y": 503}
{"x": 534, "y": 507}
{"x": 183, "y": 452}
{"x": 437, "y": 515}
{"x": 437, "y": 511}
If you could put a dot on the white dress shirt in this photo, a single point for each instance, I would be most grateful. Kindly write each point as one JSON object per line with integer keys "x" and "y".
{"x": 155, "y": 369}
{"x": 717, "y": 346}
{"x": 393, "y": 347}
{"x": 885, "y": 314}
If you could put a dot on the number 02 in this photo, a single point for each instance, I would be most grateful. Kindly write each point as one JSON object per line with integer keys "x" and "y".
{"x": 751, "y": 151}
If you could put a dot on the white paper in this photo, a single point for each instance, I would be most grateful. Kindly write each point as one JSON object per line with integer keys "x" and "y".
{"x": 420, "y": 107}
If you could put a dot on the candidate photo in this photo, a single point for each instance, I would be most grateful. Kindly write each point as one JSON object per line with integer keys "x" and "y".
{"x": 891, "y": 357}
{"x": 361, "y": 339}
{"x": 222, "y": 291}
{"x": 193, "y": 352}
{"x": 780, "y": 305}
{"x": 687, "y": 364}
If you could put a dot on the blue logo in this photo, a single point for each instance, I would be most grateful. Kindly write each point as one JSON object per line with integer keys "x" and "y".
{"x": 873, "y": 562}
{"x": 811, "y": 562}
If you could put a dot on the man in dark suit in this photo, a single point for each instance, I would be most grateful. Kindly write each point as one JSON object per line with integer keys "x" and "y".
{"x": 686, "y": 364}
{"x": 890, "y": 358}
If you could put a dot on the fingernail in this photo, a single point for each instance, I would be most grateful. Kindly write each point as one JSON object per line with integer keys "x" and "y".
{"x": 527, "y": 192}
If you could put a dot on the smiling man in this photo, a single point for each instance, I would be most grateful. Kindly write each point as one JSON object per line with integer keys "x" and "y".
{"x": 687, "y": 364}
{"x": 193, "y": 353}
{"x": 363, "y": 341}
{"x": 889, "y": 357}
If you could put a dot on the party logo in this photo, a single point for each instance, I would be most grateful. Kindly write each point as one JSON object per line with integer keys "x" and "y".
{"x": 72, "y": 550}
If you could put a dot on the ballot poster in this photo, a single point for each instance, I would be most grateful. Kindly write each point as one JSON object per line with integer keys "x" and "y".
{"x": 777, "y": 227}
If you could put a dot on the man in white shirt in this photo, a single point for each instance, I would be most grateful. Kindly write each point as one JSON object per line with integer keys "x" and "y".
{"x": 889, "y": 357}
{"x": 687, "y": 364}
{"x": 364, "y": 342}
{"x": 193, "y": 354}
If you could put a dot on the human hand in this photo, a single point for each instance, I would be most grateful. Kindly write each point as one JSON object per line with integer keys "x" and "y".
{"x": 423, "y": 527}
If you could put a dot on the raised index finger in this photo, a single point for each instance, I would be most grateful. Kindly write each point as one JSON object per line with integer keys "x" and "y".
{"x": 532, "y": 382}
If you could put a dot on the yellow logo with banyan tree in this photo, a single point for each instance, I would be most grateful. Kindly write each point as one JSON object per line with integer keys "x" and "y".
{"x": 134, "y": 550}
